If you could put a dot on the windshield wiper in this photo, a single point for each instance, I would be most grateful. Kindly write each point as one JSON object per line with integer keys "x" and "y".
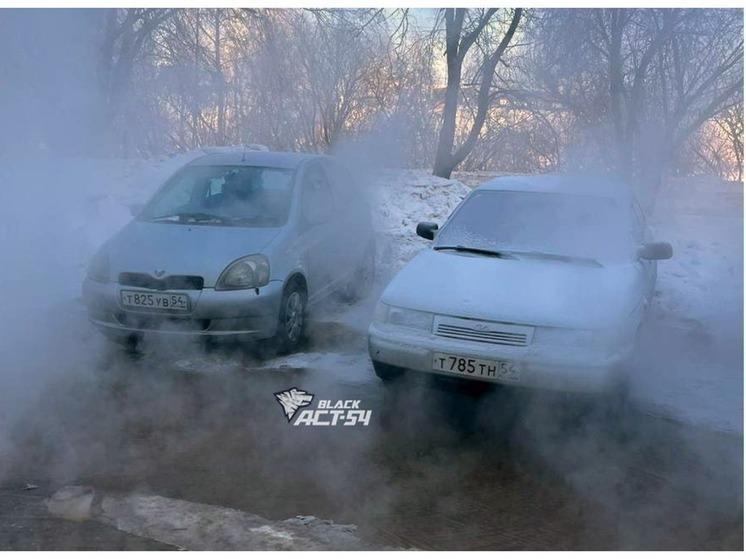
{"x": 559, "y": 257}
{"x": 485, "y": 251}
{"x": 186, "y": 216}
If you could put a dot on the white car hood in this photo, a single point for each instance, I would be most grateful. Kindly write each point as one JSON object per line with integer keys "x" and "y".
{"x": 526, "y": 291}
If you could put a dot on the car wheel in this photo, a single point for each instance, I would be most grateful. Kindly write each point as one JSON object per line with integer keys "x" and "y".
{"x": 387, "y": 372}
{"x": 361, "y": 281}
{"x": 292, "y": 322}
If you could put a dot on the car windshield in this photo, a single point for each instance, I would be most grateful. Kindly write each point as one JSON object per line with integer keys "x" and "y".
{"x": 224, "y": 195}
{"x": 541, "y": 224}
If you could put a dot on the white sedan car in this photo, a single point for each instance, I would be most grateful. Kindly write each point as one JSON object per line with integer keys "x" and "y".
{"x": 534, "y": 281}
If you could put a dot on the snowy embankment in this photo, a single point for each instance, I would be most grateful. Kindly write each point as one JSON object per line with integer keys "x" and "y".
{"x": 401, "y": 200}
{"x": 197, "y": 526}
{"x": 692, "y": 362}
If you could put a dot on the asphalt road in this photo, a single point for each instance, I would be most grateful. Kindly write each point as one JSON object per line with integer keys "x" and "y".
{"x": 442, "y": 465}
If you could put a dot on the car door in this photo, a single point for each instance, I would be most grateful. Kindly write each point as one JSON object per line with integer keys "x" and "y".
{"x": 318, "y": 231}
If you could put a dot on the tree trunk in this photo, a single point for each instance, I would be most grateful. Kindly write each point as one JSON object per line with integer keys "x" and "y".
{"x": 443, "y": 166}
{"x": 220, "y": 140}
{"x": 443, "y": 157}
{"x": 456, "y": 48}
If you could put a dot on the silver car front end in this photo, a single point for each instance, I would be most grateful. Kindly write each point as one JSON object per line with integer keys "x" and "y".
{"x": 250, "y": 313}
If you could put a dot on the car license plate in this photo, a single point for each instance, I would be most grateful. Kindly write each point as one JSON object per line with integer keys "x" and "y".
{"x": 481, "y": 368}
{"x": 175, "y": 302}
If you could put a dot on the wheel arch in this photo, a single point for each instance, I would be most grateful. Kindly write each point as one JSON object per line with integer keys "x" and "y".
{"x": 296, "y": 277}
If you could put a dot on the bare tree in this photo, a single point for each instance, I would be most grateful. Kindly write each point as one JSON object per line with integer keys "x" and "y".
{"x": 459, "y": 40}
{"x": 730, "y": 123}
{"x": 628, "y": 90}
{"x": 639, "y": 82}
{"x": 126, "y": 35}
{"x": 701, "y": 76}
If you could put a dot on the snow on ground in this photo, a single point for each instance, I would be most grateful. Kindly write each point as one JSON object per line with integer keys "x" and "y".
{"x": 403, "y": 199}
{"x": 703, "y": 219}
{"x": 693, "y": 367}
{"x": 211, "y": 364}
{"x": 345, "y": 367}
{"x": 197, "y": 526}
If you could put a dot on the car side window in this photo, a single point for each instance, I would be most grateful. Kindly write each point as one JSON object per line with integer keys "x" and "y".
{"x": 318, "y": 203}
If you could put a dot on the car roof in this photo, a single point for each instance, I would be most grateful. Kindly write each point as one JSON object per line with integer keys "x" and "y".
{"x": 589, "y": 185}
{"x": 253, "y": 158}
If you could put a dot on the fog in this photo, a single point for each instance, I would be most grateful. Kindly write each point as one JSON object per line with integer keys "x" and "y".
{"x": 99, "y": 107}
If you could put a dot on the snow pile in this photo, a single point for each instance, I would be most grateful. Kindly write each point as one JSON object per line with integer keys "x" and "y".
{"x": 350, "y": 368}
{"x": 207, "y": 364}
{"x": 692, "y": 362}
{"x": 197, "y": 526}
{"x": 403, "y": 198}
{"x": 703, "y": 219}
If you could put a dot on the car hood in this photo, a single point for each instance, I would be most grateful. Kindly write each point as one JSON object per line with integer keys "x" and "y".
{"x": 179, "y": 249}
{"x": 524, "y": 291}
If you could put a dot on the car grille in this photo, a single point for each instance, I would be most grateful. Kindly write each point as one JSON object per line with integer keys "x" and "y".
{"x": 485, "y": 332}
{"x": 146, "y": 281}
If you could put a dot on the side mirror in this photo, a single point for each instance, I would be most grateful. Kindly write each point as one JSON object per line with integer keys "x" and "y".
{"x": 135, "y": 209}
{"x": 655, "y": 251}
{"x": 427, "y": 229}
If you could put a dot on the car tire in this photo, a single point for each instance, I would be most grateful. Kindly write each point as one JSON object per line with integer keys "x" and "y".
{"x": 361, "y": 282}
{"x": 387, "y": 372}
{"x": 292, "y": 321}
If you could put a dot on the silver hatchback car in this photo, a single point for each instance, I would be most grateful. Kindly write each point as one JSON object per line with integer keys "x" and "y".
{"x": 236, "y": 243}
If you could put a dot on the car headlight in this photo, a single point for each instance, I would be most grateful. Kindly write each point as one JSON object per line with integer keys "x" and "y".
{"x": 248, "y": 272}
{"x": 99, "y": 269}
{"x": 399, "y": 316}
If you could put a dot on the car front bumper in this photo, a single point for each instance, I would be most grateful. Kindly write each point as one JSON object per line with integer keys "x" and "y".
{"x": 548, "y": 367}
{"x": 246, "y": 313}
